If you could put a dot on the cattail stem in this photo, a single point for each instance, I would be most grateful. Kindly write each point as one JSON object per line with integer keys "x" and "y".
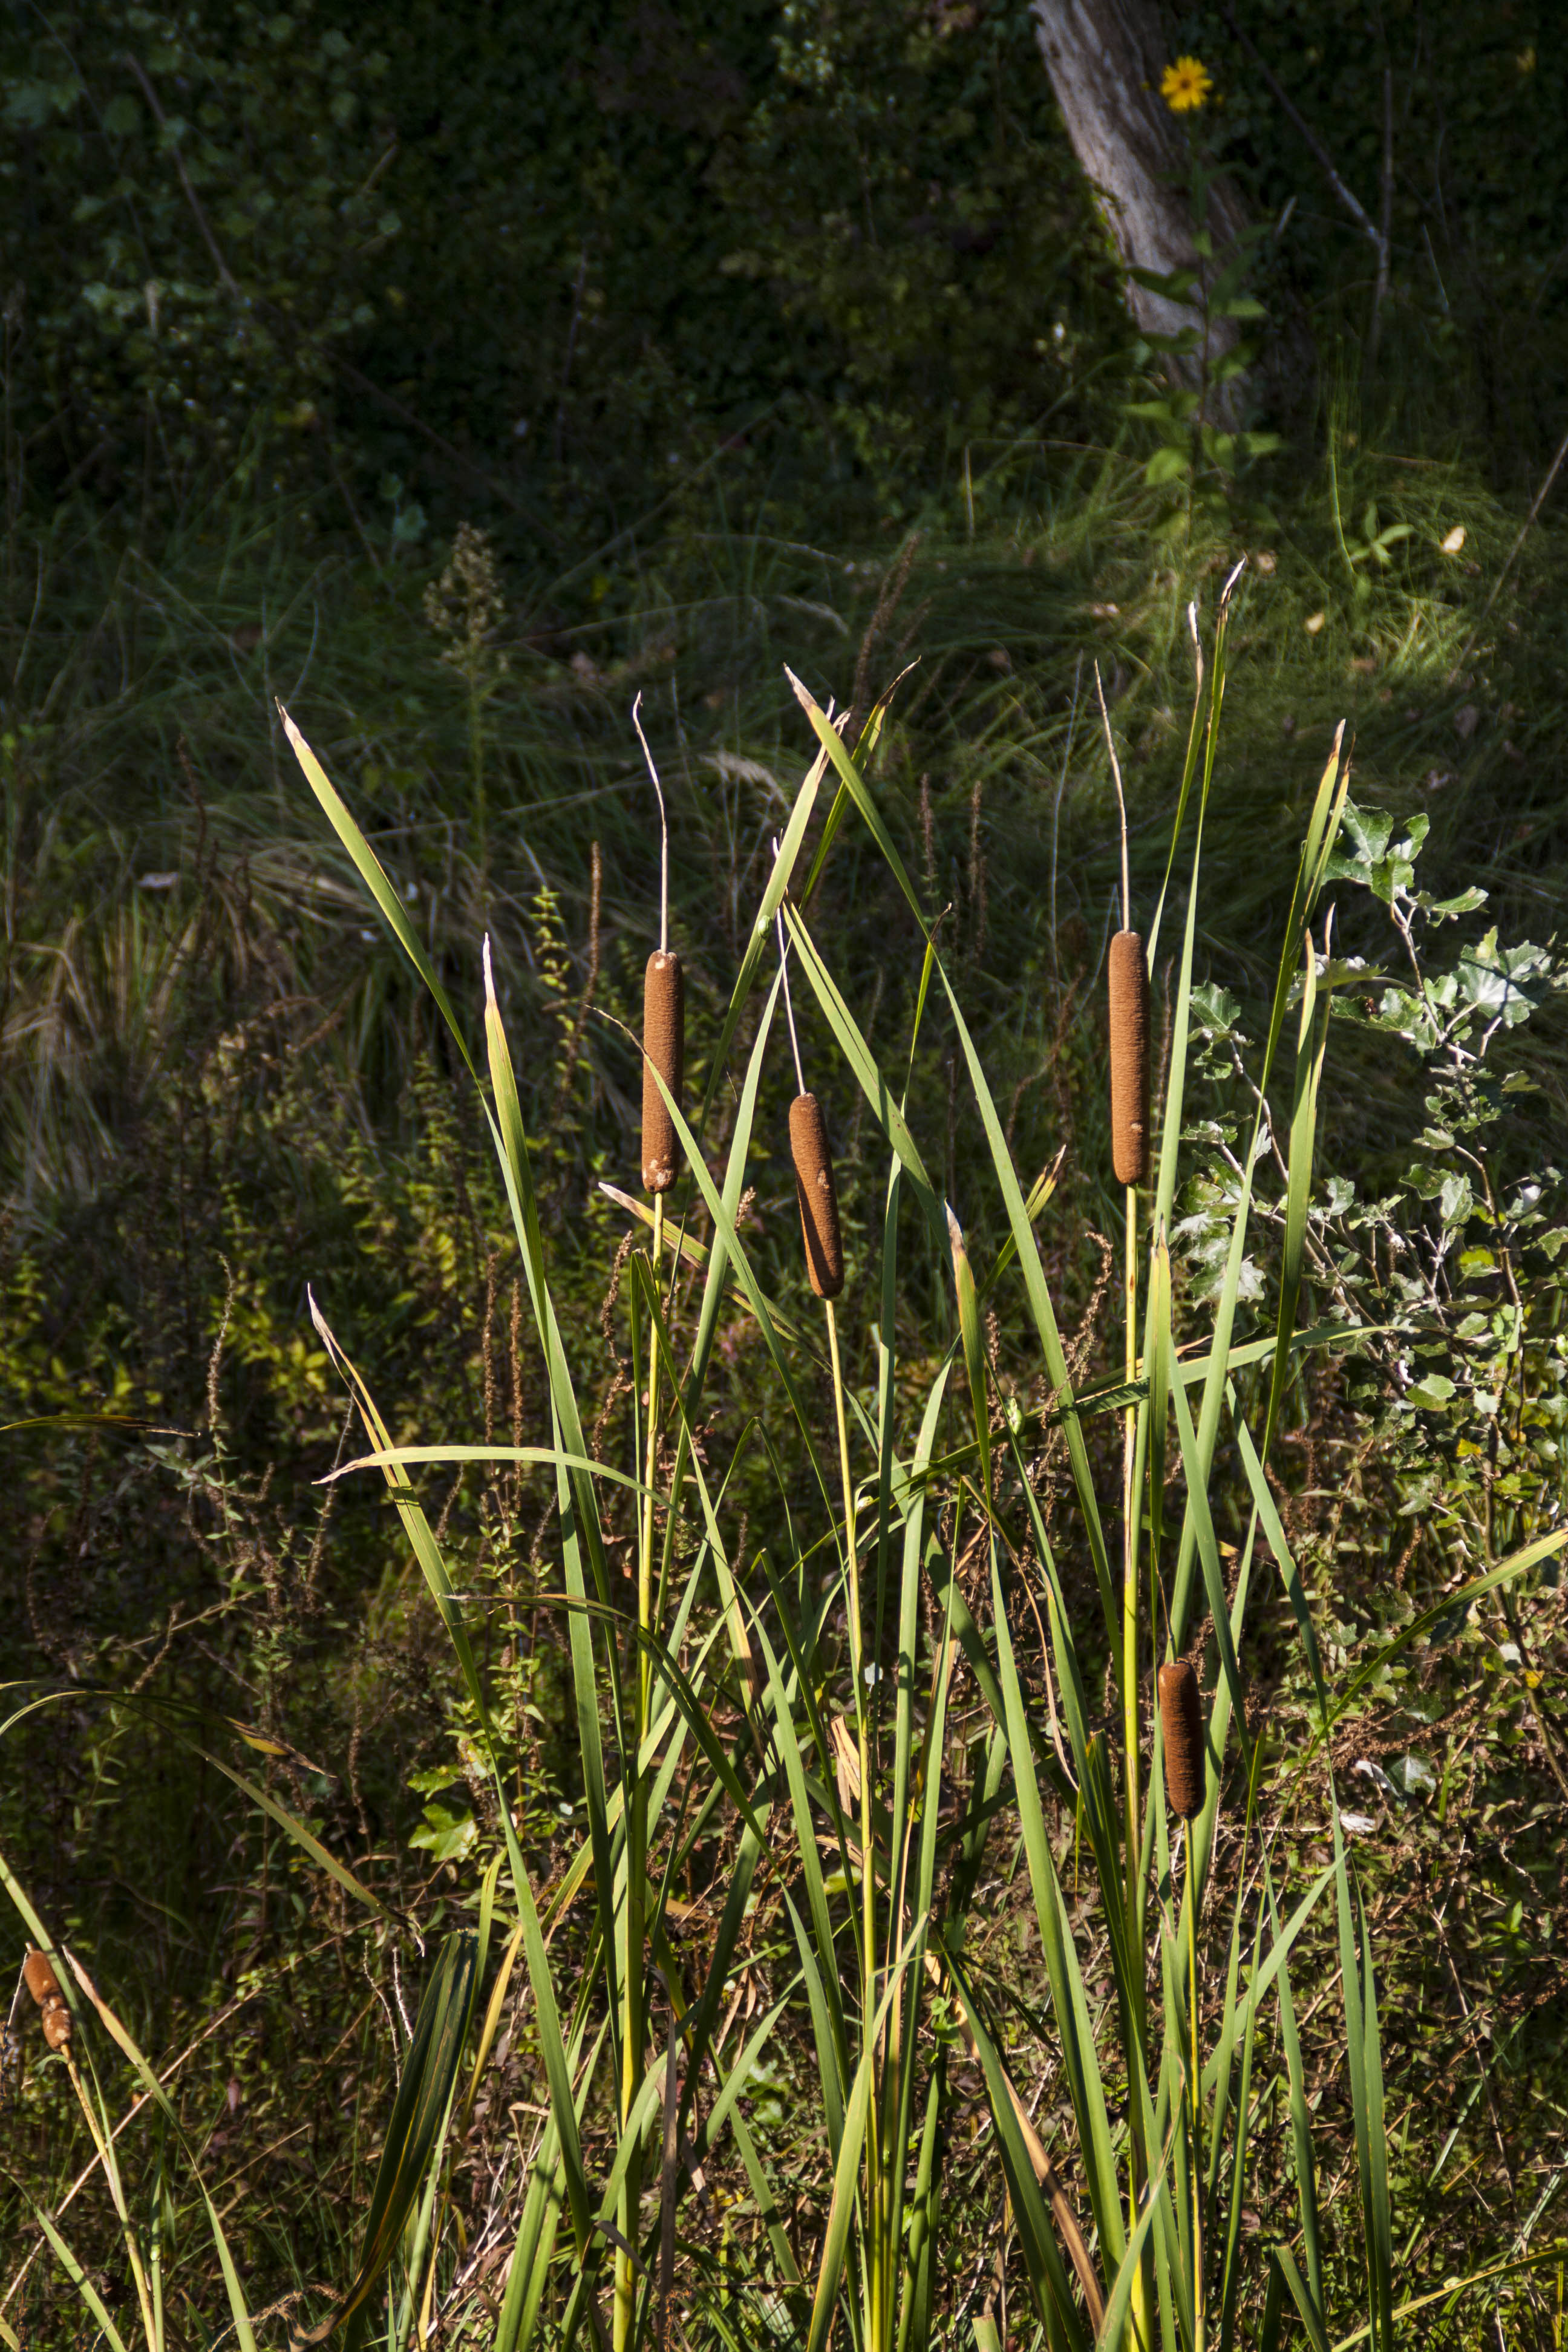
{"x": 784, "y": 975}
{"x": 663, "y": 832}
{"x": 1197, "y": 2087}
{"x": 1129, "y": 1576}
{"x": 869, "y": 1994}
{"x": 117, "y": 2197}
{"x": 1137, "y": 2167}
{"x": 632, "y": 2021}
{"x": 1120, "y": 802}
{"x": 645, "y": 1564}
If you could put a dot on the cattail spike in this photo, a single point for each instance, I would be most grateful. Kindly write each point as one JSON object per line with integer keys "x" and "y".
{"x": 1128, "y": 976}
{"x": 1182, "y": 1724}
{"x": 818, "y": 1200}
{"x": 663, "y": 1046}
{"x": 41, "y": 1981}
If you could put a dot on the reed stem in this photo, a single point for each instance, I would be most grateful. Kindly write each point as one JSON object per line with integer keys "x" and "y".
{"x": 116, "y": 2196}
{"x": 869, "y": 1987}
{"x": 636, "y": 1844}
{"x": 1137, "y": 2162}
{"x": 1197, "y": 2099}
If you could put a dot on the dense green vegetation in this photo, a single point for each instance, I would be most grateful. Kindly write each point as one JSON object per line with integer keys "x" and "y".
{"x": 820, "y": 361}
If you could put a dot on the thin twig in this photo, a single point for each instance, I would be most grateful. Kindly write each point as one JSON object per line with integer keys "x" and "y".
{"x": 783, "y": 973}
{"x": 1120, "y": 800}
{"x": 1536, "y": 504}
{"x": 1357, "y": 211}
{"x": 663, "y": 832}
{"x": 1380, "y": 283}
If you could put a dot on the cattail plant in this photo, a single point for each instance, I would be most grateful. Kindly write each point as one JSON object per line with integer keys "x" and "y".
{"x": 664, "y": 1017}
{"x": 664, "y": 1056}
{"x": 910, "y": 1869}
{"x": 824, "y": 1268}
{"x": 1127, "y": 990}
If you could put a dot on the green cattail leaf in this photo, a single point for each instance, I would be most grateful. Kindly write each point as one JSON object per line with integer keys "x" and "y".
{"x": 1037, "y": 1293}
{"x": 389, "y": 901}
{"x": 762, "y": 938}
{"x": 1311, "y": 1048}
{"x": 1323, "y": 827}
{"x": 1306, "y": 2302}
{"x": 1232, "y": 2265}
{"x": 79, "y": 2280}
{"x": 1301, "y": 2115}
{"x": 846, "y": 2169}
{"x": 974, "y": 1346}
{"x": 878, "y": 1093}
{"x": 724, "y": 1227}
{"x": 1049, "y": 2285}
{"x": 418, "y": 2116}
{"x": 1080, "y": 2061}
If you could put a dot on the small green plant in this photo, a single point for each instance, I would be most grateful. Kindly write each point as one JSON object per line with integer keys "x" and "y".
{"x": 1204, "y": 444}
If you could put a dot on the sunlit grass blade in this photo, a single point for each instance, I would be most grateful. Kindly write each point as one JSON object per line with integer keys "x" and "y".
{"x": 1300, "y": 2117}
{"x": 878, "y": 1091}
{"x": 418, "y": 2114}
{"x": 1323, "y": 827}
{"x": 388, "y": 901}
{"x": 1080, "y": 2061}
{"x": 81, "y": 2281}
{"x": 847, "y": 2171}
{"x": 1310, "y": 1051}
{"x": 1230, "y": 2261}
{"x": 1048, "y": 2278}
{"x": 1305, "y": 2300}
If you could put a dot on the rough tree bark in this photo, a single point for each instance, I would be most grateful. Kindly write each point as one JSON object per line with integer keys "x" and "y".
{"x": 1105, "y": 59}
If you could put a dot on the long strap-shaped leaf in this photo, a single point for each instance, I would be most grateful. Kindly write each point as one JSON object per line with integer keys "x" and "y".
{"x": 1035, "y": 1284}
{"x": 846, "y": 2171}
{"x": 1323, "y": 827}
{"x": 1048, "y": 2280}
{"x": 1080, "y": 2060}
{"x": 1311, "y": 1046}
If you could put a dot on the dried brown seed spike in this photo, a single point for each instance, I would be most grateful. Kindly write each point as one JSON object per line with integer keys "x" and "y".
{"x": 818, "y": 1200}
{"x": 57, "y": 2024}
{"x": 1181, "y": 1723}
{"x": 664, "y": 1045}
{"x": 1128, "y": 975}
{"x": 40, "y": 1978}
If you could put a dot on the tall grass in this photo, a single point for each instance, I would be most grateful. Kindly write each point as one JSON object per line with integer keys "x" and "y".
{"x": 938, "y": 1669}
{"x": 809, "y": 1716}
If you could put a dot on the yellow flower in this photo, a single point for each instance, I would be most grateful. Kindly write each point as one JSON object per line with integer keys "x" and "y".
{"x": 1525, "y": 60}
{"x": 1185, "y": 84}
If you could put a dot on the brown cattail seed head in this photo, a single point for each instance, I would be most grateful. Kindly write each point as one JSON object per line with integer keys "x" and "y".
{"x": 40, "y": 1978}
{"x": 1182, "y": 1722}
{"x": 664, "y": 1044}
{"x": 818, "y": 1200}
{"x": 1129, "y": 979}
{"x": 45, "y": 1987}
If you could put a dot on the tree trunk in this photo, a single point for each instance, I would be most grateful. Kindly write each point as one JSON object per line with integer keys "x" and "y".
{"x": 1105, "y": 59}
